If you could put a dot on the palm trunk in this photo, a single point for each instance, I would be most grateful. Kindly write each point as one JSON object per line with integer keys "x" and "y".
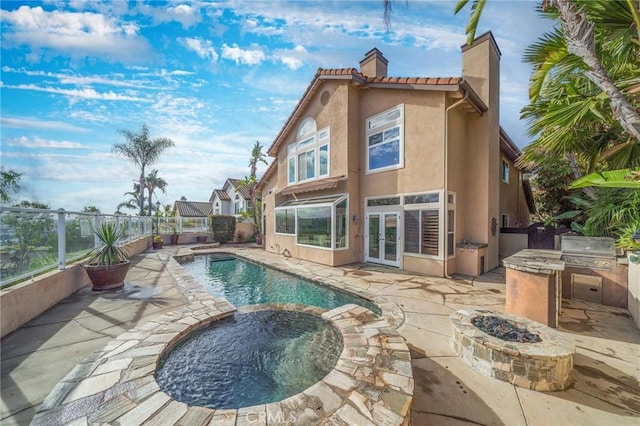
{"x": 142, "y": 191}
{"x": 580, "y": 39}
{"x": 150, "y": 199}
{"x": 577, "y": 174}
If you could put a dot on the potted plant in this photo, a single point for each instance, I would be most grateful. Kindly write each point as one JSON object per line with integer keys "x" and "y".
{"x": 108, "y": 265}
{"x": 174, "y": 235}
{"x": 157, "y": 242}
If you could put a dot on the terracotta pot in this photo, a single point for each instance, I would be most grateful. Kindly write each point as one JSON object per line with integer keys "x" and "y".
{"x": 174, "y": 239}
{"x": 201, "y": 238}
{"x": 157, "y": 244}
{"x": 107, "y": 277}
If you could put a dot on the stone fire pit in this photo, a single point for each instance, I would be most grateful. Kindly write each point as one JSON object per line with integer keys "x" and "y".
{"x": 543, "y": 366}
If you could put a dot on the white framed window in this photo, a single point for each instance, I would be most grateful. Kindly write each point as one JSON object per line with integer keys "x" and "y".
{"x": 505, "y": 171}
{"x": 385, "y": 140}
{"x": 308, "y": 156}
{"x": 217, "y": 208}
{"x": 238, "y": 205}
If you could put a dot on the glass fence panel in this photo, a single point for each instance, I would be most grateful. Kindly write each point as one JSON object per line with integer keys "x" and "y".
{"x": 79, "y": 237}
{"x": 29, "y": 243}
{"x": 29, "y": 239}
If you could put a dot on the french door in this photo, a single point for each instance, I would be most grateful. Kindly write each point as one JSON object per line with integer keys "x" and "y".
{"x": 382, "y": 238}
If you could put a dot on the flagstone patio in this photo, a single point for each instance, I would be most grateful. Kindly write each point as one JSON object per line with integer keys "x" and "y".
{"x": 606, "y": 390}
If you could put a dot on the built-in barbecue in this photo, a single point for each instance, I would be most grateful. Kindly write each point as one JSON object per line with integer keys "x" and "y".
{"x": 592, "y": 271}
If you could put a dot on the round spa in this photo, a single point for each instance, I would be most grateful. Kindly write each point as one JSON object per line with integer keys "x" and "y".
{"x": 250, "y": 358}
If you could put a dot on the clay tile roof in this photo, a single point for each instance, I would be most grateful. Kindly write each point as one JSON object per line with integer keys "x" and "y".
{"x": 193, "y": 208}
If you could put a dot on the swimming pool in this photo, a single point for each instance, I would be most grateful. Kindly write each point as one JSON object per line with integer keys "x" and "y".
{"x": 245, "y": 283}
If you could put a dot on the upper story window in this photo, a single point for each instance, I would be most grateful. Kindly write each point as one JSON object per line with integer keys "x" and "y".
{"x": 385, "y": 140}
{"x": 505, "y": 171}
{"x": 308, "y": 156}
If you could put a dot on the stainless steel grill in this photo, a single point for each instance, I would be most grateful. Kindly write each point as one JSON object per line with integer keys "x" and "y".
{"x": 588, "y": 252}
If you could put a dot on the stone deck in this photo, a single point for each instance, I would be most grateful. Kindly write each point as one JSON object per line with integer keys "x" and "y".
{"x": 39, "y": 355}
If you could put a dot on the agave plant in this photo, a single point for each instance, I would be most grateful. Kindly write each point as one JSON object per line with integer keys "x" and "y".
{"x": 109, "y": 253}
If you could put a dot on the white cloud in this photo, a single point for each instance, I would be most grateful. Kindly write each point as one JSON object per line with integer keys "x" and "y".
{"x": 37, "y": 142}
{"x": 84, "y": 93}
{"x": 117, "y": 80}
{"x": 293, "y": 58}
{"x": 78, "y": 35}
{"x": 252, "y": 56}
{"x": 183, "y": 13}
{"x": 201, "y": 47}
{"x": 28, "y": 123}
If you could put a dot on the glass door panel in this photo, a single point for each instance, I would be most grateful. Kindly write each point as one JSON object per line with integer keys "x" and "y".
{"x": 391, "y": 237}
{"x": 374, "y": 236}
{"x": 382, "y": 238}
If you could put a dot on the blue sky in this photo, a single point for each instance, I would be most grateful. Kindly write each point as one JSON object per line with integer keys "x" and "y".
{"x": 213, "y": 76}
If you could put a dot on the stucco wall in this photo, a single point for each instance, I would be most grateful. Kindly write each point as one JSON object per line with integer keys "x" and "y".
{"x": 25, "y": 301}
{"x": 510, "y": 244}
{"x": 634, "y": 291}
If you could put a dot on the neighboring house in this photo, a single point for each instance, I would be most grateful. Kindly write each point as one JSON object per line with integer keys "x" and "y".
{"x": 514, "y": 187}
{"x": 232, "y": 199}
{"x": 404, "y": 172}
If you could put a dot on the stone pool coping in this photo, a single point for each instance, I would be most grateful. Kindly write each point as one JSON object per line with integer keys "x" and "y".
{"x": 542, "y": 366}
{"x": 371, "y": 384}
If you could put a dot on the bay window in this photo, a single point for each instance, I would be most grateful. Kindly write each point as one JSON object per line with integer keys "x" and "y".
{"x": 319, "y": 222}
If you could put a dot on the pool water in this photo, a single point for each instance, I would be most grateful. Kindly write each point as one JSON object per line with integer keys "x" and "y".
{"x": 251, "y": 358}
{"x": 245, "y": 283}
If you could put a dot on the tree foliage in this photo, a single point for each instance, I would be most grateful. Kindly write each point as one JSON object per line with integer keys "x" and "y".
{"x": 9, "y": 184}
{"x": 143, "y": 151}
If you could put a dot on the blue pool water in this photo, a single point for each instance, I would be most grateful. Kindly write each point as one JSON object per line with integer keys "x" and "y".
{"x": 251, "y": 358}
{"x": 245, "y": 283}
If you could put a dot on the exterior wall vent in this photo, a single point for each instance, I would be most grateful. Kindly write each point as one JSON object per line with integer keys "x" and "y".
{"x": 324, "y": 98}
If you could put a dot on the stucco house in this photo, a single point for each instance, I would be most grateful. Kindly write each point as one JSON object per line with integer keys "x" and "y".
{"x": 232, "y": 199}
{"x": 414, "y": 173}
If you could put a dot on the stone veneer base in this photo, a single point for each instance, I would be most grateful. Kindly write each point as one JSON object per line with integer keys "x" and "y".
{"x": 542, "y": 366}
{"x": 371, "y": 384}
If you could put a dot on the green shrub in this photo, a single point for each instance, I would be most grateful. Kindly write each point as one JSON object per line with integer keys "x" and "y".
{"x": 222, "y": 228}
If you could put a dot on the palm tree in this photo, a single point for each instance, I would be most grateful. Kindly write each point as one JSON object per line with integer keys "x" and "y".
{"x": 153, "y": 182}
{"x": 579, "y": 34}
{"x": 133, "y": 202}
{"x": 251, "y": 181}
{"x": 143, "y": 152}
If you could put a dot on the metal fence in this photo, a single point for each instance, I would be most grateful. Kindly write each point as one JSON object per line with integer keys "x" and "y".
{"x": 33, "y": 241}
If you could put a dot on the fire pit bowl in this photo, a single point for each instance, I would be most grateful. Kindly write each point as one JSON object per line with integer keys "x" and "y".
{"x": 543, "y": 365}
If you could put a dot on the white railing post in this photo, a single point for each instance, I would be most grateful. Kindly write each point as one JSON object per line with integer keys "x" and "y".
{"x": 96, "y": 224}
{"x": 61, "y": 240}
{"x": 130, "y": 227}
